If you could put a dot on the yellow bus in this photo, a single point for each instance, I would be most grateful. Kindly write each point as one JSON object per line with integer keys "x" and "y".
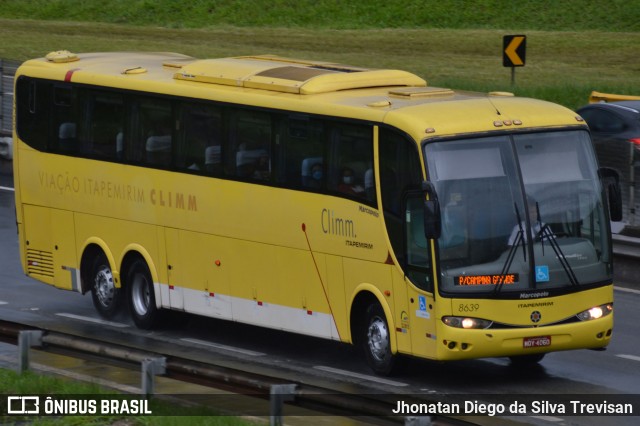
{"x": 353, "y": 204}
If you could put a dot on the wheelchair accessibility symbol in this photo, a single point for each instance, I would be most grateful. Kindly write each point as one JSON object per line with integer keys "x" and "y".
{"x": 422, "y": 303}
{"x": 422, "y": 312}
{"x": 542, "y": 274}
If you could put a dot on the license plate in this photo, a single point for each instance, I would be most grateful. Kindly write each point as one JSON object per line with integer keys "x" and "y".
{"x": 536, "y": 342}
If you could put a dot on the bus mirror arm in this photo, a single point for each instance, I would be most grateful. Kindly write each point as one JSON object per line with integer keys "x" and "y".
{"x": 611, "y": 183}
{"x": 432, "y": 215}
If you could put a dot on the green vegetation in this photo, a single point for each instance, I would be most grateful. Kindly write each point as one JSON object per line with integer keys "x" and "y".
{"x": 573, "y": 46}
{"x": 563, "y": 67}
{"x": 548, "y": 15}
{"x": 164, "y": 414}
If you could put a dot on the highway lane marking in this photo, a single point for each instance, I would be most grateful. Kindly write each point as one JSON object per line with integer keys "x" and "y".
{"x": 93, "y": 320}
{"x": 631, "y": 357}
{"x": 627, "y": 290}
{"x": 6, "y": 188}
{"x": 548, "y": 418}
{"x": 360, "y": 376}
{"x": 3, "y": 303}
{"x": 223, "y": 347}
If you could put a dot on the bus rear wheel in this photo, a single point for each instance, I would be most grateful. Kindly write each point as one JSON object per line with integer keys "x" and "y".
{"x": 142, "y": 301}
{"x": 376, "y": 341}
{"x": 106, "y": 296}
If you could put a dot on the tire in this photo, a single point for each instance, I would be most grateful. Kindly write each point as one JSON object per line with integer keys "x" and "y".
{"x": 376, "y": 341}
{"x": 526, "y": 361}
{"x": 107, "y": 298}
{"x": 141, "y": 296}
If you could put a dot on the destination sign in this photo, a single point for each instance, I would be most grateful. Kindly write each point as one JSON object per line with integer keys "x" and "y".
{"x": 495, "y": 279}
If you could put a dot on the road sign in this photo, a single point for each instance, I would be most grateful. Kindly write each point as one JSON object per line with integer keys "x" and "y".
{"x": 514, "y": 48}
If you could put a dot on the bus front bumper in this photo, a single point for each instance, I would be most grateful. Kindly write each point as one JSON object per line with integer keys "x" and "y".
{"x": 468, "y": 344}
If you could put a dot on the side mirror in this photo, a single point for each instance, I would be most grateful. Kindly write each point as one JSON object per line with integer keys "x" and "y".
{"x": 432, "y": 215}
{"x": 611, "y": 182}
{"x": 432, "y": 219}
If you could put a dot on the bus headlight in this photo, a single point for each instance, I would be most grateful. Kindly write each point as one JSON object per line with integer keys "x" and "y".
{"x": 466, "y": 322}
{"x": 596, "y": 312}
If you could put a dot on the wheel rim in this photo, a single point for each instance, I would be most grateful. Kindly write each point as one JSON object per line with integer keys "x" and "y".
{"x": 140, "y": 294}
{"x": 104, "y": 287}
{"x": 378, "y": 339}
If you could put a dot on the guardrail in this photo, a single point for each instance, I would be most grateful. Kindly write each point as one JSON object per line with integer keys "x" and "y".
{"x": 301, "y": 398}
{"x": 626, "y": 246}
{"x": 626, "y": 262}
{"x": 7, "y": 71}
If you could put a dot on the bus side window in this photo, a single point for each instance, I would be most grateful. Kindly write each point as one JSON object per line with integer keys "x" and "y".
{"x": 351, "y": 159}
{"x": 301, "y": 146}
{"x": 32, "y": 111}
{"x": 152, "y": 133}
{"x": 250, "y": 145}
{"x": 102, "y": 135}
{"x": 199, "y": 146}
{"x": 65, "y": 120}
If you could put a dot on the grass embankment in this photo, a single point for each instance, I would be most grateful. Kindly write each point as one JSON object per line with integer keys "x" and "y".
{"x": 547, "y": 15}
{"x": 572, "y": 47}
{"x": 164, "y": 414}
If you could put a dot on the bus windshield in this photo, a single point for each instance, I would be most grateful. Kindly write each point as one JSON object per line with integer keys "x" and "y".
{"x": 520, "y": 213}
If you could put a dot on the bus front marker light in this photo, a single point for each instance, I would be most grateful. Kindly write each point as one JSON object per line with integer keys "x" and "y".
{"x": 596, "y": 312}
{"x": 467, "y": 322}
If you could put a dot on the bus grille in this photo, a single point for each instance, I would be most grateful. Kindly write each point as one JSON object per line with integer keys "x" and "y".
{"x": 40, "y": 263}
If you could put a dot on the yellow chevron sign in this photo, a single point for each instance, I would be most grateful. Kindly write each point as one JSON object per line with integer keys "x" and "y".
{"x": 514, "y": 50}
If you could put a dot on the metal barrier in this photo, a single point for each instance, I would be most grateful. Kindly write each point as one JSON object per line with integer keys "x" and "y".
{"x": 300, "y": 398}
{"x": 7, "y": 71}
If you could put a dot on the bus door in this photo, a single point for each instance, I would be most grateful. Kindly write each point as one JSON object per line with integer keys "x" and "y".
{"x": 403, "y": 201}
{"x": 418, "y": 277}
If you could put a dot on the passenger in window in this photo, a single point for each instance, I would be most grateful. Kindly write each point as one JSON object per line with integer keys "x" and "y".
{"x": 195, "y": 153}
{"x": 348, "y": 184}
{"x": 263, "y": 167}
{"x": 317, "y": 175}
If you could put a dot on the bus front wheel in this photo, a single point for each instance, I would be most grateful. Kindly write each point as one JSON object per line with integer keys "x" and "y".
{"x": 376, "y": 341}
{"x": 142, "y": 299}
{"x": 106, "y": 296}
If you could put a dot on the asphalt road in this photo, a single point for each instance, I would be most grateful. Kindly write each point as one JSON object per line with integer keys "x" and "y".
{"x": 614, "y": 371}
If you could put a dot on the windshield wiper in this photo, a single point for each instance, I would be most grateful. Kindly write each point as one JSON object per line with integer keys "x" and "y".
{"x": 519, "y": 239}
{"x": 545, "y": 232}
{"x": 540, "y": 227}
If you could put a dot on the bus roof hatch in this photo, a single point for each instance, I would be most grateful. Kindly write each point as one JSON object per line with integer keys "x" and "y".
{"x": 292, "y": 76}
